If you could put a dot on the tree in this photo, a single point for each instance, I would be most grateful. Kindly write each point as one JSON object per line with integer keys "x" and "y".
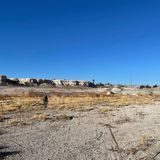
{"x": 91, "y": 84}
{"x": 93, "y": 81}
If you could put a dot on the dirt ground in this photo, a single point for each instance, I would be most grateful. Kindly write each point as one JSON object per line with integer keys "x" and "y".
{"x": 124, "y": 133}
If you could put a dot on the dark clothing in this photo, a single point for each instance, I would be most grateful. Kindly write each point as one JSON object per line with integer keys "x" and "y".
{"x": 45, "y": 100}
{"x": 45, "y": 104}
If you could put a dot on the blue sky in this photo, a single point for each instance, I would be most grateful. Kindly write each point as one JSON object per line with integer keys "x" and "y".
{"x": 107, "y": 40}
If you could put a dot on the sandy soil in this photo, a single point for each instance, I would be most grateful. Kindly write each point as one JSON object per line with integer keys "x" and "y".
{"x": 85, "y": 137}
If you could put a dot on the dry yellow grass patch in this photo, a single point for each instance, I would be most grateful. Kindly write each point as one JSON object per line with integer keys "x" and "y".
{"x": 18, "y": 103}
{"x": 74, "y": 101}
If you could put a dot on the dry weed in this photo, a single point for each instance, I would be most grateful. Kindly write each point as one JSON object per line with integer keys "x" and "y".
{"x": 105, "y": 110}
{"x": 124, "y": 119}
{"x": 40, "y": 117}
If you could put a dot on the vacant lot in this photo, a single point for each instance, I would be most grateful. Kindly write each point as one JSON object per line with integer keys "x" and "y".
{"x": 79, "y": 126}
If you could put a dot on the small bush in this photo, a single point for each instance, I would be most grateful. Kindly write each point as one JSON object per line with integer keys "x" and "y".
{"x": 91, "y": 84}
{"x": 100, "y": 85}
{"x": 155, "y": 86}
{"x": 148, "y": 86}
{"x": 145, "y": 86}
{"x": 142, "y": 86}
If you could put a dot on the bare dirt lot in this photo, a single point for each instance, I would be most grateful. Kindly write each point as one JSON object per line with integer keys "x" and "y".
{"x": 104, "y": 130}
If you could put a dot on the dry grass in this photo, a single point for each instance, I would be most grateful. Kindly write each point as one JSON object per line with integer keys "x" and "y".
{"x": 14, "y": 122}
{"x": 74, "y": 101}
{"x": 63, "y": 117}
{"x": 145, "y": 143}
{"x": 44, "y": 117}
{"x": 40, "y": 117}
{"x": 145, "y": 140}
{"x": 105, "y": 110}
{"x": 122, "y": 120}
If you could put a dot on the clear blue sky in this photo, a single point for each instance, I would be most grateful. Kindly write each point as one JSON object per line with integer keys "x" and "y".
{"x": 107, "y": 40}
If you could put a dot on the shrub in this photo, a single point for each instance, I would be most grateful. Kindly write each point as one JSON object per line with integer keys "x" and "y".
{"x": 147, "y": 86}
{"x": 100, "y": 85}
{"x": 91, "y": 84}
{"x": 155, "y": 86}
{"x": 142, "y": 86}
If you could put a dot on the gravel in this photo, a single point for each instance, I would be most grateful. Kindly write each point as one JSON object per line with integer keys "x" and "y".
{"x": 84, "y": 137}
